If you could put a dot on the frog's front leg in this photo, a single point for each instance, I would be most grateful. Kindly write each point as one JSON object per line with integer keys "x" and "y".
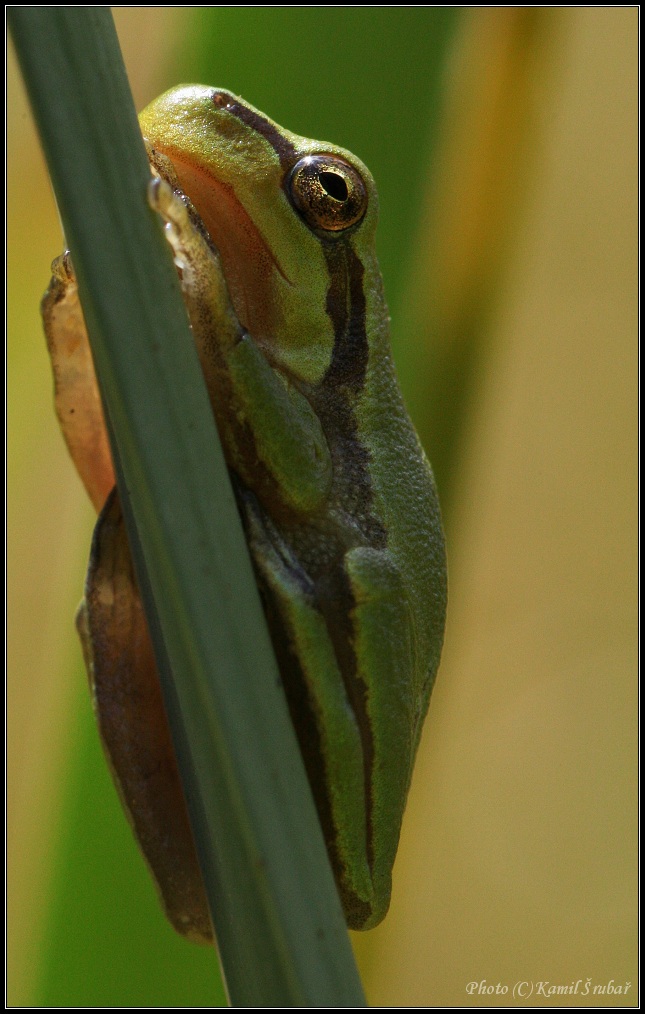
{"x": 347, "y": 657}
{"x": 76, "y": 392}
{"x": 272, "y": 437}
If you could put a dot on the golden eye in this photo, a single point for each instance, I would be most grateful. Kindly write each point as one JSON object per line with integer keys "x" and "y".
{"x": 327, "y": 192}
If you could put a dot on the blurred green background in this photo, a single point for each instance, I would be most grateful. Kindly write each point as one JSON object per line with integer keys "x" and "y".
{"x": 504, "y": 145}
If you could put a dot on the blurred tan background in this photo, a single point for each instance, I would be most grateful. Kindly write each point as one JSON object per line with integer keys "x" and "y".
{"x": 520, "y": 862}
{"x": 518, "y": 858}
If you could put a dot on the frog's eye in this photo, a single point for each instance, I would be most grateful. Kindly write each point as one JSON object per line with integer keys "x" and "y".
{"x": 328, "y": 193}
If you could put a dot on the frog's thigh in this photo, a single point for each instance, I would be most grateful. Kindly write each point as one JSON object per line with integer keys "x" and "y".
{"x": 76, "y": 393}
{"x": 385, "y": 651}
{"x": 134, "y": 728}
{"x": 310, "y": 669}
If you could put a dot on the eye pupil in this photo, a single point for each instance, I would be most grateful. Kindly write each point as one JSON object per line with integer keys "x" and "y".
{"x": 335, "y": 185}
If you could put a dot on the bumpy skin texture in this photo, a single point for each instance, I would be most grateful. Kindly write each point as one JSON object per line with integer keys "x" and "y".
{"x": 336, "y": 496}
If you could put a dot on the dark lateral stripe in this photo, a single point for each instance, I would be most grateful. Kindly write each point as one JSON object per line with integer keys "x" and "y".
{"x": 346, "y": 308}
{"x": 338, "y": 393}
{"x": 283, "y": 148}
{"x": 344, "y": 381}
{"x": 336, "y": 607}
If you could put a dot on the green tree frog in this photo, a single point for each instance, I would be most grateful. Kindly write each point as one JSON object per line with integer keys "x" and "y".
{"x": 273, "y": 236}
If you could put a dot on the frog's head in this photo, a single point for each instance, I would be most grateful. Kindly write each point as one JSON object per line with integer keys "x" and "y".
{"x": 293, "y": 219}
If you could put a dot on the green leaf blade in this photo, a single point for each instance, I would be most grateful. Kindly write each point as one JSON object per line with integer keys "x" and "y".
{"x": 279, "y": 925}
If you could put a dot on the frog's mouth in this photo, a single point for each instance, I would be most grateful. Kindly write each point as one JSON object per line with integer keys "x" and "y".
{"x": 247, "y": 260}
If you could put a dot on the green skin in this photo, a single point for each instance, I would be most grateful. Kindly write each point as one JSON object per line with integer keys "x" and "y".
{"x": 337, "y": 497}
{"x": 279, "y": 275}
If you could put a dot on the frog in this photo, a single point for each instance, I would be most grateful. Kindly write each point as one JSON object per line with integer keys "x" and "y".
{"x": 273, "y": 236}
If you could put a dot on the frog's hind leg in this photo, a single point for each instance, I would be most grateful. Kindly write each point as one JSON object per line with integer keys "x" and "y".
{"x": 76, "y": 393}
{"x": 133, "y": 724}
{"x": 325, "y": 723}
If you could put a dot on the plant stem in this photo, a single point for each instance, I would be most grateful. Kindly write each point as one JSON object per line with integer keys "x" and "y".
{"x": 278, "y": 920}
